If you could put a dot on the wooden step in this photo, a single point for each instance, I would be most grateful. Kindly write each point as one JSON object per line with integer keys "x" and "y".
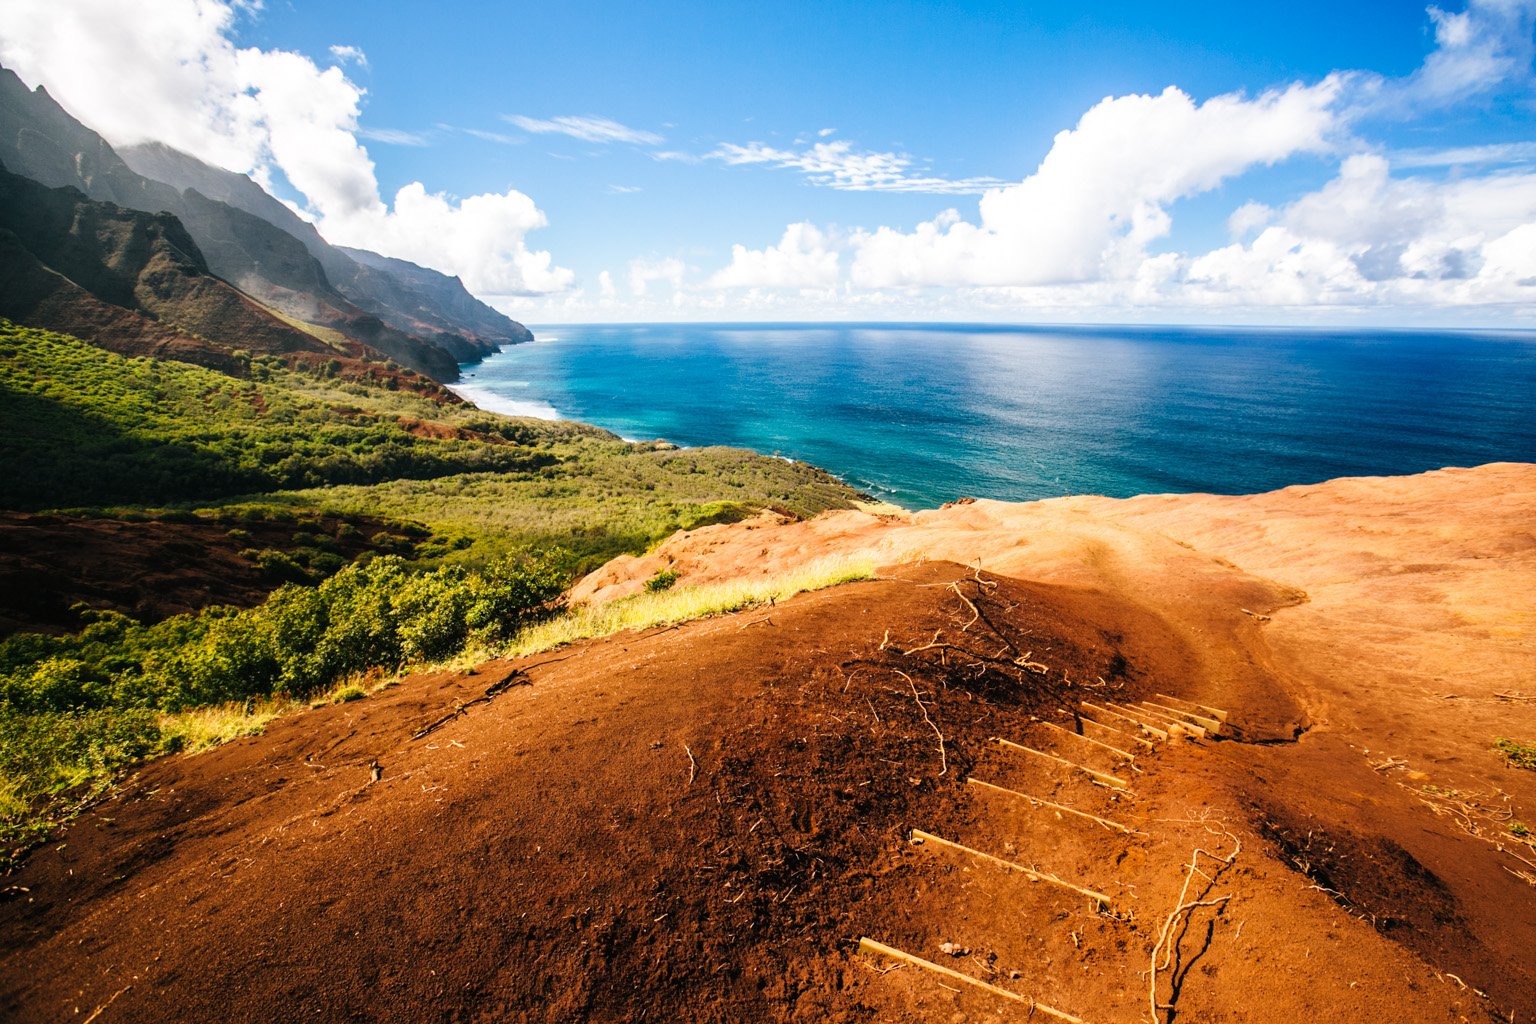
{"x": 1103, "y": 778}
{"x": 868, "y": 945}
{"x": 921, "y": 838}
{"x": 1204, "y": 709}
{"x": 1211, "y": 725}
{"x": 1137, "y": 723}
{"x": 1150, "y": 718}
{"x": 1109, "y": 732}
{"x": 1097, "y": 744}
{"x": 1061, "y": 808}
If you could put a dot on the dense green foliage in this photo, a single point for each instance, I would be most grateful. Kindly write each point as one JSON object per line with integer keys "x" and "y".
{"x": 74, "y": 709}
{"x": 84, "y": 427}
{"x": 376, "y": 614}
{"x": 81, "y": 426}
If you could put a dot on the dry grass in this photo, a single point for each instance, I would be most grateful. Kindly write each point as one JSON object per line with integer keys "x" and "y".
{"x": 202, "y": 729}
{"x": 669, "y": 607}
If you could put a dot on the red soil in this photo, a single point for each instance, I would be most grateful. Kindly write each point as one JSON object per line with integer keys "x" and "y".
{"x": 700, "y": 823}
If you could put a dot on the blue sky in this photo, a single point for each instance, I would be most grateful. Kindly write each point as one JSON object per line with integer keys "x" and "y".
{"x": 1358, "y": 163}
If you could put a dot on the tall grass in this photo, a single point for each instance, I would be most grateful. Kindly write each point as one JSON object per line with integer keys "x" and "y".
{"x": 668, "y": 607}
{"x": 199, "y": 729}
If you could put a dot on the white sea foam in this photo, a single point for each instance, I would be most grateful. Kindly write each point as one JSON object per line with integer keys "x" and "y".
{"x": 490, "y": 401}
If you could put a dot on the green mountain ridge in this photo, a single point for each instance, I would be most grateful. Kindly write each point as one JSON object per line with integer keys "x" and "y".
{"x": 138, "y": 284}
{"x": 408, "y": 297}
{"x": 256, "y": 243}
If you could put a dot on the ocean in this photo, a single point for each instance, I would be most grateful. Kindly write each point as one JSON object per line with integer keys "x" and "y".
{"x": 921, "y": 414}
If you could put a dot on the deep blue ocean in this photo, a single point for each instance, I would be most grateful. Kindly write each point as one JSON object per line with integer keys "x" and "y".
{"x": 921, "y": 414}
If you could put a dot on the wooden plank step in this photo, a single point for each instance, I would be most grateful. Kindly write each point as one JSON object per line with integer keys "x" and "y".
{"x": 1211, "y": 725}
{"x": 869, "y": 945}
{"x": 1164, "y": 721}
{"x": 1161, "y": 734}
{"x": 919, "y": 837}
{"x": 1038, "y": 801}
{"x": 1110, "y": 732}
{"x": 1098, "y": 776}
{"x": 1204, "y": 709}
{"x": 1089, "y": 739}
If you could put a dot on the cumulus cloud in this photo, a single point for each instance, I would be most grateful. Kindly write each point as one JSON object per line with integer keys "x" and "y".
{"x": 1369, "y": 238}
{"x": 168, "y": 72}
{"x": 802, "y": 259}
{"x": 1101, "y": 193}
{"x": 1084, "y": 230}
{"x": 587, "y": 129}
{"x": 838, "y": 165}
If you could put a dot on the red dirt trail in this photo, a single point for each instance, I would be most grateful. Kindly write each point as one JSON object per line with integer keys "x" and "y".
{"x": 700, "y": 823}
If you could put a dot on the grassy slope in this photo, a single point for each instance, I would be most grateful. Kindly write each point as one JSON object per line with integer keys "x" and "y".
{"x": 81, "y": 427}
{"x": 85, "y": 429}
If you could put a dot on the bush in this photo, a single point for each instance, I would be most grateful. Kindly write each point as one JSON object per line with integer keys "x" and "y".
{"x": 378, "y": 614}
{"x": 662, "y": 580}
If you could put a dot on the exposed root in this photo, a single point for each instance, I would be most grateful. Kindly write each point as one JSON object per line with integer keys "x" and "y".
{"x": 943, "y": 761}
{"x": 517, "y": 677}
{"x": 1168, "y": 938}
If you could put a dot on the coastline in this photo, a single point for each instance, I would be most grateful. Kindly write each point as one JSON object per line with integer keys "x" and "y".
{"x": 930, "y": 415}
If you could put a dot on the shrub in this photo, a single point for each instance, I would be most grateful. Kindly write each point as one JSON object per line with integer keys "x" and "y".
{"x": 662, "y": 580}
{"x": 1519, "y": 755}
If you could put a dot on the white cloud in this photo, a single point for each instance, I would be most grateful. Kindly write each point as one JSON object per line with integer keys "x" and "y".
{"x": 802, "y": 259}
{"x": 643, "y": 271}
{"x": 587, "y": 129}
{"x": 498, "y": 137}
{"x": 481, "y": 234}
{"x": 349, "y": 55}
{"x": 393, "y": 136}
{"x": 1467, "y": 156}
{"x": 624, "y": 190}
{"x": 839, "y": 165}
{"x": 1487, "y": 44}
{"x": 167, "y": 71}
{"x": 1101, "y": 193}
{"x": 1366, "y": 238}
{"x": 605, "y": 283}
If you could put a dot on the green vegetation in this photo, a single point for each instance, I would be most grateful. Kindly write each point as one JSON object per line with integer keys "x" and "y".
{"x": 75, "y": 709}
{"x": 662, "y": 580}
{"x": 80, "y": 426}
{"x": 1519, "y": 755}
{"x": 487, "y": 518}
{"x": 84, "y": 427}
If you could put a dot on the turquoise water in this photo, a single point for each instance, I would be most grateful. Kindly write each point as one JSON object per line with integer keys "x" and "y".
{"x": 923, "y": 414}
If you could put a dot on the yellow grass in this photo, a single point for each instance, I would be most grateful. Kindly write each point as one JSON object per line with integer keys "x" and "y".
{"x": 682, "y": 604}
{"x": 14, "y": 805}
{"x": 204, "y": 728}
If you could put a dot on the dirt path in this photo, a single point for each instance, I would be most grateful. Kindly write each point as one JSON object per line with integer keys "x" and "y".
{"x": 701, "y": 823}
